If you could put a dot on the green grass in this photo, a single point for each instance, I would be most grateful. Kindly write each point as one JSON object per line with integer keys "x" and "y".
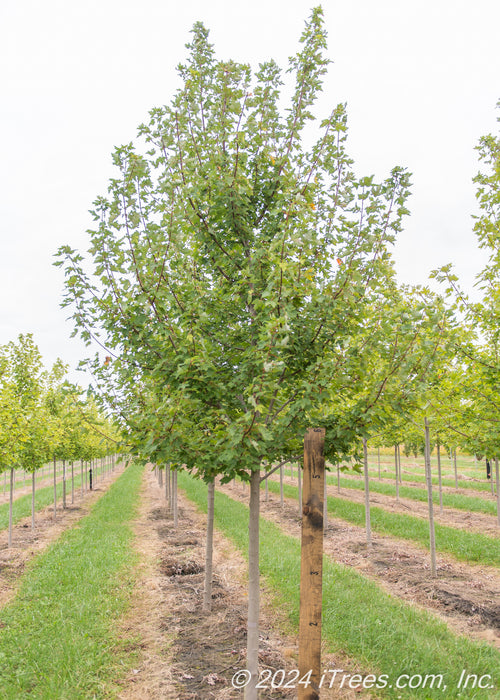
{"x": 21, "y": 507}
{"x": 473, "y": 504}
{"x": 466, "y": 546}
{"x": 385, "y": 635}
{"x": 420, "y": 479}
{"x": 57, "y": 638}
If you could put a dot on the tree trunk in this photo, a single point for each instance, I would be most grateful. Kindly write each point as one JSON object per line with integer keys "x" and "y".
{"x": 81, "y": 476}
{"x": 367, "y": 495}
{"x": 55, "y": 490}
{"x": 299, "y": 479}
{"x": 167, "y": 483}
{"x": 64, "y": 484}
{"x": 33, "y": 487}
{"x": 399, "y": 465}
{"x": 251, "y": 692}
{"x": 11, "y": 500}
{"x": 174, "y": 497}
{"x": 428, "y": 478}
{"x": 498, "y": 489}
{"x": 207, "y": 596}
{"x": 396, "y": 467}
{"x": 72, "y": 482}
{"x": 440, "y": 478}
{"x": 455, "y": 467}
{"x": 267, "y": 490}
{"x": 338, "y": 477}
{"x": 160, "y": 477}
{"x": 282, "y": 501}
{"x": 492, "y": 479}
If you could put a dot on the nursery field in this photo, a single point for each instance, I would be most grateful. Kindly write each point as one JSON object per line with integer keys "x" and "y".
{"x": 115, "y": 593}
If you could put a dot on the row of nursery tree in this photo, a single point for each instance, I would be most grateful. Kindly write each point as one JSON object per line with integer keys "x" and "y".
{"x": 44, "y": 418}
{"x": 242, "y": 287}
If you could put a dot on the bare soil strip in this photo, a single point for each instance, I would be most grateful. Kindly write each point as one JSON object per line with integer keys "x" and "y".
{"x": 184, "y": 653}
{"x": 465, "y": 596}
{"x": 28, "y": 544}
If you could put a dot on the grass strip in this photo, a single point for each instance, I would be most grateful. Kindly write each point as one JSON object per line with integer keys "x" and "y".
{"x": 473, "y": 504}
{"x": 21, "y": 507}
{"x": 420, "y": 479}
{"x": 463, "y": 545}
{"x": 383, "y": 634}
{"x": 57, "y": 639}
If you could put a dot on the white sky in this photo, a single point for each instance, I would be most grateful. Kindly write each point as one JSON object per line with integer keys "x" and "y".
{"x": 421, "y": 80}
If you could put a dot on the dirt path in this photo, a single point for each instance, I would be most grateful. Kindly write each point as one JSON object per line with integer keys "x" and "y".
{"x": 185, "y": 654}
{"x": 27, "y": 544}
{"x": 465, "y": 596}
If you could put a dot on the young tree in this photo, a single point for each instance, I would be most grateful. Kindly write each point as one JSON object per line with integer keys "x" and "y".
{"x": 234, "y": 269}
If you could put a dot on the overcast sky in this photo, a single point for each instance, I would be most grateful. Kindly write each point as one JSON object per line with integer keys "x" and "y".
{"x": 421, "y": 81}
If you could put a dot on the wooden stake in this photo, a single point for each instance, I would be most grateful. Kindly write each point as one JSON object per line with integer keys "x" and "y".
{"x": 311, "y": 570}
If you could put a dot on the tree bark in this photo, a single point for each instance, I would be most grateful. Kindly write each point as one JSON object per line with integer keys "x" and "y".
{"x": 11, "y": 500}
{"x": 497, "y": 475}
{"x": 55, "y": 491}
{"x": 396, "y": 467}
{"x": 207, "y": 596}
{"x": 282, "y": 501}
{"x": 440, "y": 478}
{"x": 367, "y": 495}
{"x": 33, "y": 501}
{"x": 428, "y": 478}
{"x": 64, "y": 484}
{"x": 251, "y": 692}
{"x": 174, "y": 497}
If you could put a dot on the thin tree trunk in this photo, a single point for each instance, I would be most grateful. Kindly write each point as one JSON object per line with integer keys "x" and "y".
{"x": 396, "y": 467}
{"x": 299, "y": 480}
{"x": 492, "y": 479}
{"x": 81, "y": 476}
{"x": 167, "y": 483}
{"x": 440, "y": 479}
{"x": 207, "y": 596}
{"x": 251, "y": 692}
{"x": 428, "y": 478}
{"x": 338, "y": 477}
{"x": 174, "y": 493}
{"x": 33, "y": 487}
{"x": 160, "y": 477}
{"x": 55, "y": 490}
{"x": 282, "y": 501}
{"x": 325, "y": 504}
{"x": 64, "y": 484}
{"x": 455, "y": 467}
{"x": 72, "y": 482}
{"x": 367, "y": 495}
{"x": 498, "y": 489}
{"x": 11, "y": 500}
{"x": 267, "y": 490}
{"x": 378, "y": 457}
{"x": 399, "y": 465}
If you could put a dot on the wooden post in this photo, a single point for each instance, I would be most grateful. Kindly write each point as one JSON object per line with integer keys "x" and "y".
{"x": 311, "y": 569}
